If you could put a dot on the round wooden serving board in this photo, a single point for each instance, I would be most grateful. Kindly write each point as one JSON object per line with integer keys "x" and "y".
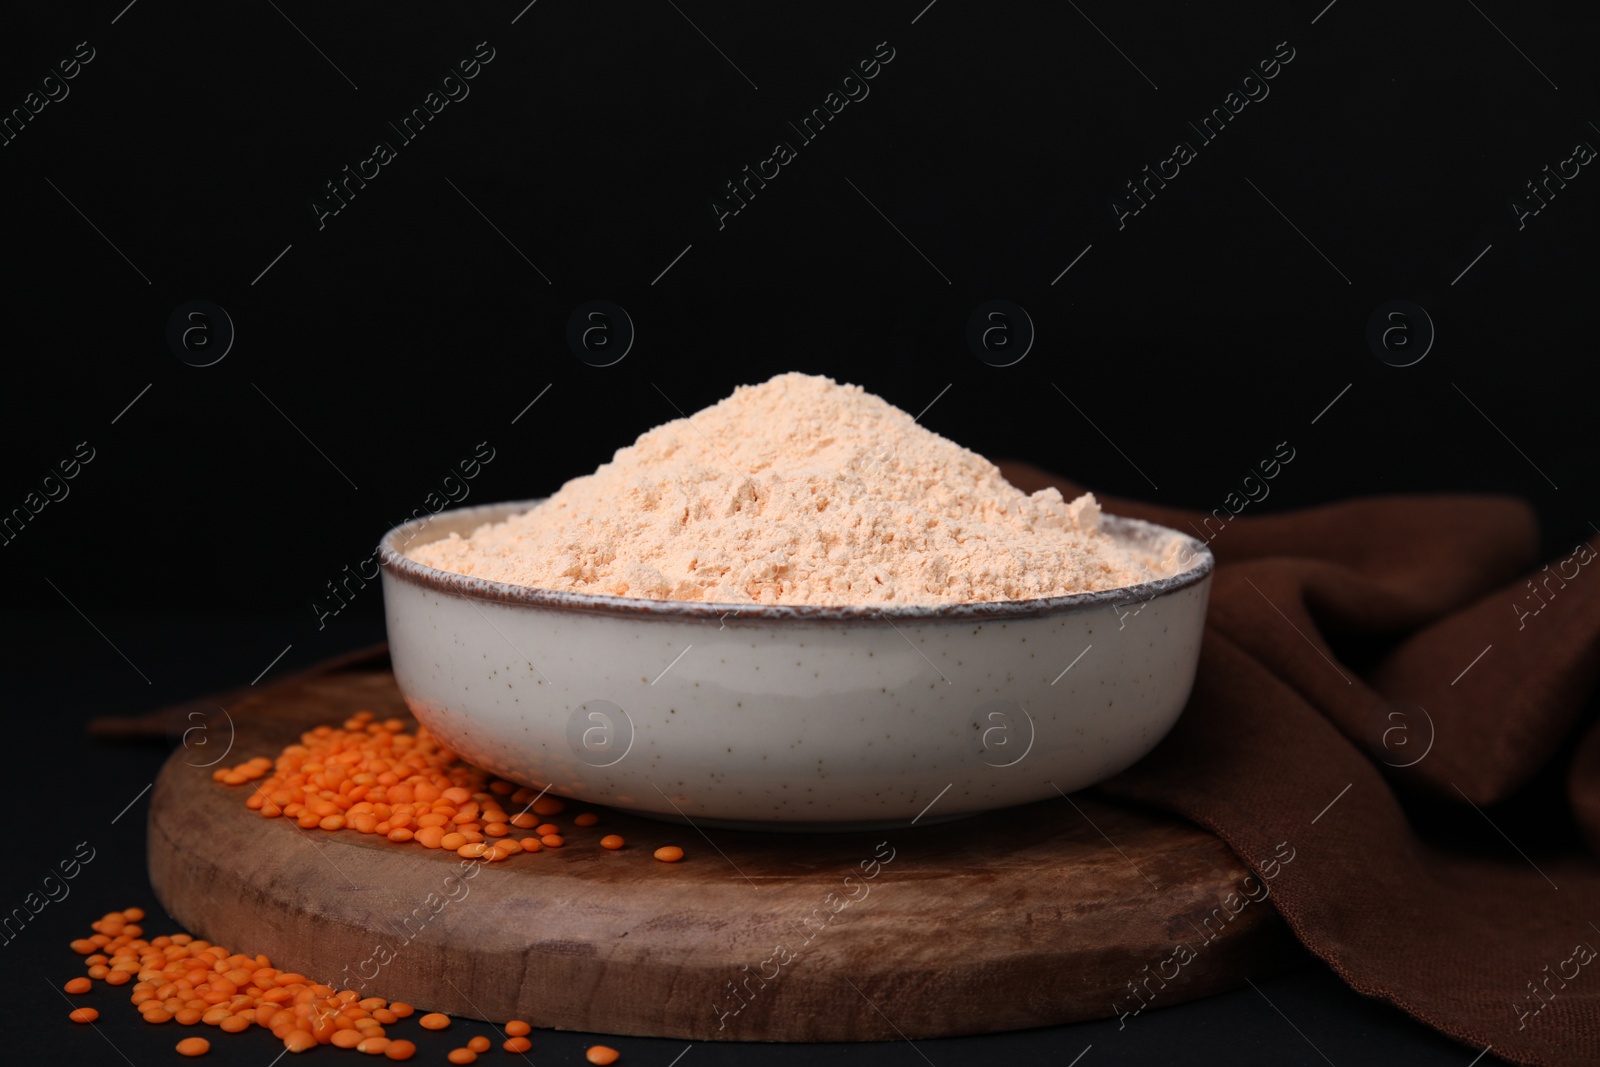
{"x": 1020, "y": 918}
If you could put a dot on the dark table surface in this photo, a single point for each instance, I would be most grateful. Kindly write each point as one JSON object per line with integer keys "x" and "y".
{"x": 65, "y": 669}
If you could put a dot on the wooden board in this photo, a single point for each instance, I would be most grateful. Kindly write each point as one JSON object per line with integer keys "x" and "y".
{"x": 1020, "y": 918}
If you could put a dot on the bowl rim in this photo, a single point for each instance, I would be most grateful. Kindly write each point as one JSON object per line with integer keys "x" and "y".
{"x": 396, "y": 564}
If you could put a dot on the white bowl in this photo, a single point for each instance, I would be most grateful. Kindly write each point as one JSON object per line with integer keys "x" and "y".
{"x": 793, "y": 717}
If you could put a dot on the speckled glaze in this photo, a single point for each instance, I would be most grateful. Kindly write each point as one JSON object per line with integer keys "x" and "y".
{"x": 792, "y": 717}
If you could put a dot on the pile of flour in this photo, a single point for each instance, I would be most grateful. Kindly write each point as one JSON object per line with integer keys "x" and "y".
{"x": 799, "y": 491}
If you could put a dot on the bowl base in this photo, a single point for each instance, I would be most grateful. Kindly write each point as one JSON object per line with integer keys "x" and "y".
{"x": 784, "y": 826}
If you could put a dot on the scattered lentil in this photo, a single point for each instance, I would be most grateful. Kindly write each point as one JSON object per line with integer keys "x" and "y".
{"x": 180, "y": 977}
{"x": 669, "y": 854}
{"x": 601, "y": 1054}
{"x": 374, "y": 778}
{"x": 191, "y": 981}
{"x": 300, "y": 1041}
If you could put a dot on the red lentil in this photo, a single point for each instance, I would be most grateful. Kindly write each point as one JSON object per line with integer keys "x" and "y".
{"x": 195, "y": 982}
{"x": 612, "y": 842}
{"x": 518, "y": 1028}
{"x": 434, "y": 1021}
{"x": 300, "y": 1041}
{"x": 516, "y": 1044}
{"x": 479, "y": 1044}
{"x": 462, "y": 1055}
{"x": 601, "y": 1054}
{"x": 669, "y": 854}
{"x": 375, "y": 778}
{"x": 78, "y": 985}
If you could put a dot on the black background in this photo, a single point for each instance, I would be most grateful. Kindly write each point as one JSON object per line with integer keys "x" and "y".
{"x": 379, "y": 350}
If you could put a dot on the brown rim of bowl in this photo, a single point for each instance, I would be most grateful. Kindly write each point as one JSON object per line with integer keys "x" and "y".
{"x": 464, "y": 520}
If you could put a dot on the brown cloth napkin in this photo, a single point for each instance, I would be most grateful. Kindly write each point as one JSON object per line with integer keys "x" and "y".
{"x": 1398, "y": 690}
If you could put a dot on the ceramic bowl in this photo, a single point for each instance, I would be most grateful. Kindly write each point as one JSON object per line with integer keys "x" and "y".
{"x": 793, "y": 717}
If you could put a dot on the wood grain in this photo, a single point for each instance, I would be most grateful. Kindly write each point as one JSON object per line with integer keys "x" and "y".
{"x": 1020, "y": 918}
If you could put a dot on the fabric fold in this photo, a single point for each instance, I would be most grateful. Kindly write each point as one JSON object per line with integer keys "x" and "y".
{"x": 1365, "y": 660}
